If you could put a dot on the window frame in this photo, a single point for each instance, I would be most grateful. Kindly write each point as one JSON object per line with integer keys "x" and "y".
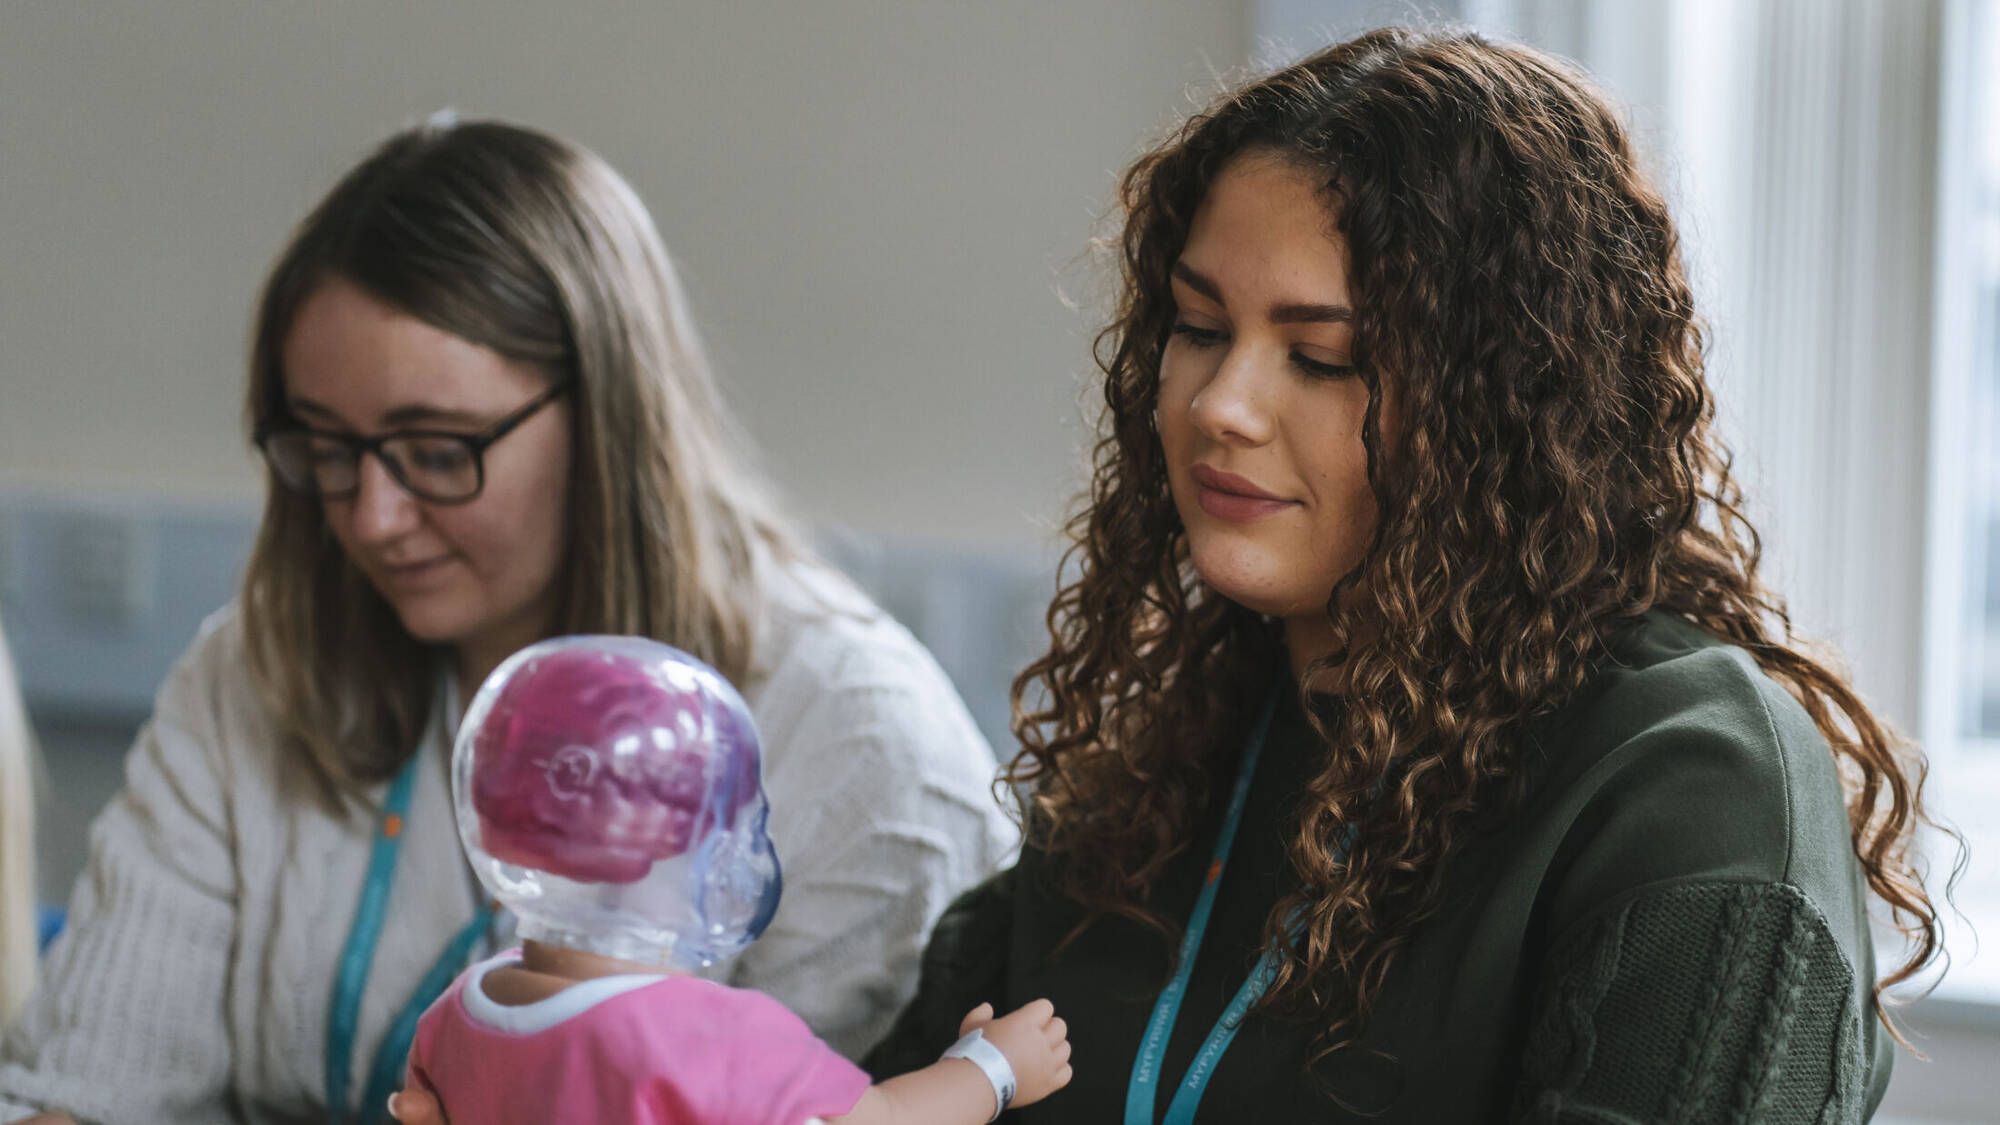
{"x": 1963, "y": 788}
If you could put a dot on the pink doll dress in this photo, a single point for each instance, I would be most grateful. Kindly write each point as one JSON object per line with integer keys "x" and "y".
{"x": 649, "y": 1050}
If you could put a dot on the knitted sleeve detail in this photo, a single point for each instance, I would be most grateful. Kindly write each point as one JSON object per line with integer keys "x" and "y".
{"x": 1697, "y": 1002}
{"x": 879, "y": 821}
{"x": 964, "y": 965}
{"x": 128, "y": 1022}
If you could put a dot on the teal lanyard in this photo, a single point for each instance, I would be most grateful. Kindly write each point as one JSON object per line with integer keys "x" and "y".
{"x": 385, "y": 1076}
{"x": 1142, "y": 1094}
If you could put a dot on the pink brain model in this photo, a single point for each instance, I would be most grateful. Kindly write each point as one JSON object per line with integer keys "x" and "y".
{"x": 594, "y": 764}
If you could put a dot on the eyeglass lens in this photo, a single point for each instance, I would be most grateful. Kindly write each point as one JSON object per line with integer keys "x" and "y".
{"x": 435, "y": 467}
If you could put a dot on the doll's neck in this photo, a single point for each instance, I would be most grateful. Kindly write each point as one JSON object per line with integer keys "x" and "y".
{"x": 576, "y": 965}
{"x": 545, "y": 970}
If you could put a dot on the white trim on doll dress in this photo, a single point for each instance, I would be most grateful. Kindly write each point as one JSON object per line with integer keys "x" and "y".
{"x": 527, "y": 1019}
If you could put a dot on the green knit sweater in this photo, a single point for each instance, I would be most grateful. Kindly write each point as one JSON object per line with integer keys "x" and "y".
{"x": 1672, "y": 928}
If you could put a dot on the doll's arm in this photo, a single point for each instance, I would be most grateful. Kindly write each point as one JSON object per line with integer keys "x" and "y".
{"x": 953, "y": 1091}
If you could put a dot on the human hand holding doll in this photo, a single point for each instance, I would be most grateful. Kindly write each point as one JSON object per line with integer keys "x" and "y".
{"x": 609, "y": 792}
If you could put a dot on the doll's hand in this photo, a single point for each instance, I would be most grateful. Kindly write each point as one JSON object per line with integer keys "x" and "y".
{"x": 1035, "y": 1042}
{"x": 413, "y": 1106}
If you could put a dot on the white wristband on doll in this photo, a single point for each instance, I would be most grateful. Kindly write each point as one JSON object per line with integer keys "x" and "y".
{"x": 977, "y": 1050}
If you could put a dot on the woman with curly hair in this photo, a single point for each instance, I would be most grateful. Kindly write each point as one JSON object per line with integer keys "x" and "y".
{"x": 1417, "y": 741}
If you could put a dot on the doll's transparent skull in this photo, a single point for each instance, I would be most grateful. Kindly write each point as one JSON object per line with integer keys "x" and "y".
{"x": 609, "y": 793}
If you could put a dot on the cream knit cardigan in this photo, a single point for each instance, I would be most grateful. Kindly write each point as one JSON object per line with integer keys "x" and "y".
{"x": 194, "y": 981}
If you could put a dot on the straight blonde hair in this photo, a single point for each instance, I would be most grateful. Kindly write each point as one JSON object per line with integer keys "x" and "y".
{"x": 18, "y": 932}
{"x": 538, "y": 250}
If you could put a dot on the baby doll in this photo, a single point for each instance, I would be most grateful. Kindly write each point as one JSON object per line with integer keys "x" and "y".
{"x": 608, "y": 791}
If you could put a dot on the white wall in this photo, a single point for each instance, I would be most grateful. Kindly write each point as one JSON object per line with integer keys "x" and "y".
{"x": 873, "y": 202}
{"x": 1282, "y": 31}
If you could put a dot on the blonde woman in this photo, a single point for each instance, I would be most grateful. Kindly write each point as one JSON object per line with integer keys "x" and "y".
{"x": 487, "y": 421}
{"x": 17, "y": 843}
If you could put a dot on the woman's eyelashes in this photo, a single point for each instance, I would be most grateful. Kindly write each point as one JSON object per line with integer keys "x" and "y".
{"x": 1320, "y": 369}
{"x": 1199, "y": 337}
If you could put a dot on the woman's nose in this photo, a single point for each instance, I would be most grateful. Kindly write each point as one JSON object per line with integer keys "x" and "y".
{"x": 1238, "y": 404}
{"x": 383, "y": 508}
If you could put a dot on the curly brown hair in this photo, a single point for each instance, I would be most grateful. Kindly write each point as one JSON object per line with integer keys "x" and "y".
{"x": 1553, "y": 472}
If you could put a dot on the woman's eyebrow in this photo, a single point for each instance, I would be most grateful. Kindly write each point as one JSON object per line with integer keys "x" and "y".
{"x": 1289, "y": 313}
{"x": 1310, "y": 314}
{"x": 415, "y": 413}
{"x": 1198, "y": 282}
{"x": 307, "y": 407}
{"x": 418, "y": 413}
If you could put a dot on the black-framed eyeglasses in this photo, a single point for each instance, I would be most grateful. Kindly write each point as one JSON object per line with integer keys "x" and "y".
{"x": 440, "y": 466}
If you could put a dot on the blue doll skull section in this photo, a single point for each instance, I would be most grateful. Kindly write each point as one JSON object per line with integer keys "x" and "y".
{"x": 609, "y": 793}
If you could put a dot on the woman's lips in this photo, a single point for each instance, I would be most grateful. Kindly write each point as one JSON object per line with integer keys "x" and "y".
{"x": 1227, "y": 496}
{"x": 414, "y": 574}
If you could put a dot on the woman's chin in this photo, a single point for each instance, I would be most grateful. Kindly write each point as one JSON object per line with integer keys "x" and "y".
{"x": 1260, "y": 589}
{"x": 431, "y": 621}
